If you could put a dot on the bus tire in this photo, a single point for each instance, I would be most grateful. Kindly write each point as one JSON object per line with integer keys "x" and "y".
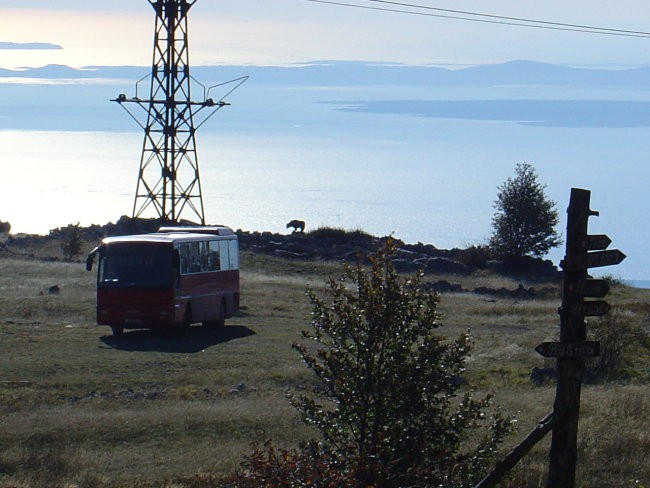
{"x": 187, "y": 318}
{"x": 221, "y": 319}
{"x": 117, "y": 330}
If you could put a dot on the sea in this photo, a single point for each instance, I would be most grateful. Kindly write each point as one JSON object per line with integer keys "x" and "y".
{"x": 421, "y": 163}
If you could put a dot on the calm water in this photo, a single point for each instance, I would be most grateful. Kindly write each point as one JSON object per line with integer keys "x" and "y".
{"x": 270, "y": 159}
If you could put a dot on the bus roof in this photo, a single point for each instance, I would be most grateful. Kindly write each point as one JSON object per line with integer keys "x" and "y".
{"x": 217, "y": 230}
{"x": 167, "y": 237}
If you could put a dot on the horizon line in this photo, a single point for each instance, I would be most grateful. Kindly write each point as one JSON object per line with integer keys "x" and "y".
{"x": 450, "y": 66}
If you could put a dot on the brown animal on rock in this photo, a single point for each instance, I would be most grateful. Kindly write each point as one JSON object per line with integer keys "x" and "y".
{"x": 298, "y": 225}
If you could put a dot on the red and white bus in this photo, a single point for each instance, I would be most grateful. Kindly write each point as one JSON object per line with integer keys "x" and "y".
{"x": 172, "y": 278}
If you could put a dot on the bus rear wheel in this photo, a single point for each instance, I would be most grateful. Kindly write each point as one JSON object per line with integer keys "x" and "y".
{"x": 187, "y": 318}
{"x": 221, "y": 319}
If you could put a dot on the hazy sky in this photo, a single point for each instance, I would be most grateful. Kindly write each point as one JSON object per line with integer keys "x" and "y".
{"x": 118, "y": 32}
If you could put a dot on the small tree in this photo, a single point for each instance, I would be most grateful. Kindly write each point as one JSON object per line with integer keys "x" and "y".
{"x": 71, "y": 241}
{"x": 387, "y": 404}
{"x": 525, "y": 220}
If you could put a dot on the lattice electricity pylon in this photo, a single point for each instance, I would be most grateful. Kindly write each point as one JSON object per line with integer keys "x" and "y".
{"x": 169, "y": 178}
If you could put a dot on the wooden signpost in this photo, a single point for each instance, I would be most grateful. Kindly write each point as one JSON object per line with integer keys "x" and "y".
{"x": 577, "y": 303}
{"x": 578, "y": 293}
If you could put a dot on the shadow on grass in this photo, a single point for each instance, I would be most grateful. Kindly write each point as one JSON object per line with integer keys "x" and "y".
{"x": 188, "y": 340}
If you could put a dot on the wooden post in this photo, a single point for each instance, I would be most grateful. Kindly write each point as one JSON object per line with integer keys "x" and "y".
{"x": 573, "y": 346}
{"x": 510, "y": 461}
{"x": 563, "y": 455}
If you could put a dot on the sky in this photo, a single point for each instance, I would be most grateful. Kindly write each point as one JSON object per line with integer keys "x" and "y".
{"x": 280, "y": 32}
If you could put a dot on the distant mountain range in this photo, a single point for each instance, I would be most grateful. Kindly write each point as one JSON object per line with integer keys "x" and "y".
{"x": 56, "y": 97}
{"x": 30, "y": 45}
{"x": 353, "y": 73}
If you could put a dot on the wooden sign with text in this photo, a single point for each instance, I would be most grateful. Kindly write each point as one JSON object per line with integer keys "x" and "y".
{"x": 596, "y": 259}
{"x": 589, "y": 288}
{"x": 569, "y": 349}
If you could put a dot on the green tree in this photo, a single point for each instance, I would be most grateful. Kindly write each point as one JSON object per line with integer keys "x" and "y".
{"x": 387, "y": 403}
{"x": 525, "y": 219}
{"x": 71, "y": 241}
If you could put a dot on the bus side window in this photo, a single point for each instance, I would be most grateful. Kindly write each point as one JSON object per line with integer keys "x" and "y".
{"x": 223, "y": 248}
{"x": 184, "y": 253}
{"x": 214, "y": 261}
{"x": 102, "y": 273}
{"x": 195, "y": 257}
{"x": 233, "y": 254}
{"x": 204, "y": 256}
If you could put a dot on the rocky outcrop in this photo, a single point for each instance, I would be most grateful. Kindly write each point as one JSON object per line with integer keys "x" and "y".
{"x": 519, "y": 293}
{"x": 335, "y": 244}
{"x": 324, "y": 243}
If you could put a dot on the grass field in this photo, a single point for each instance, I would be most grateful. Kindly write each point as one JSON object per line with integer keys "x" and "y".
{"x": 82, "y": 408}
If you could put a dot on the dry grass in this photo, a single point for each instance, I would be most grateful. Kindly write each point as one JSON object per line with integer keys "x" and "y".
{"x": 81, "y": 408}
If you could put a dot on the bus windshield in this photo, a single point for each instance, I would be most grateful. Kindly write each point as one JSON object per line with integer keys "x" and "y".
{"x": 136, "y": 265}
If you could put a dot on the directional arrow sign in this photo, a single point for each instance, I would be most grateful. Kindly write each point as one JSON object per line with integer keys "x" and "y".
{"x": 592, "y": 260}
{"x": 597, "y": 242}
{"x": 604, "y": 258}
{"x": 589, "y": 288}
{"x": 589, "y": 309}
{"x": 569, "y": 349}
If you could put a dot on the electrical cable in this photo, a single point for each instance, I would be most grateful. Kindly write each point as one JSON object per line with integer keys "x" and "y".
{"x": 493, "y": 19}
{"x": 517, "y": 19}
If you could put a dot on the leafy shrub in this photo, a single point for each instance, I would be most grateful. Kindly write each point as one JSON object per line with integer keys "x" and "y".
{"x": 475, "y": 256}
{"x": 387, "y": 405}
{"x": 619, "y": 335}
{"x": 71, "y": 241}
{"x": 337, "y": 235}
{"x": 271, "y": 467}
{"x": 612, "y": 280}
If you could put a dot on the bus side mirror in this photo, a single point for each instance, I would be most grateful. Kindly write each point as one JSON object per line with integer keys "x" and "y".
{"x": 91, "y": 258}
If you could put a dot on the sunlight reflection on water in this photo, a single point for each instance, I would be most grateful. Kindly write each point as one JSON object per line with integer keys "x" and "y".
{"x": 430, "y": 180}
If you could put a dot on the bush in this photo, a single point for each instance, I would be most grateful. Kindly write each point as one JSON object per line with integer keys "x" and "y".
{"x": 387, "y": 405}
{"x": 71, "y": 241}
{"x": 619, "y": 334}
{"x": 336, "y": 235}
{"x": 475, "y": 256}
{"x": 271, "y": 467}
